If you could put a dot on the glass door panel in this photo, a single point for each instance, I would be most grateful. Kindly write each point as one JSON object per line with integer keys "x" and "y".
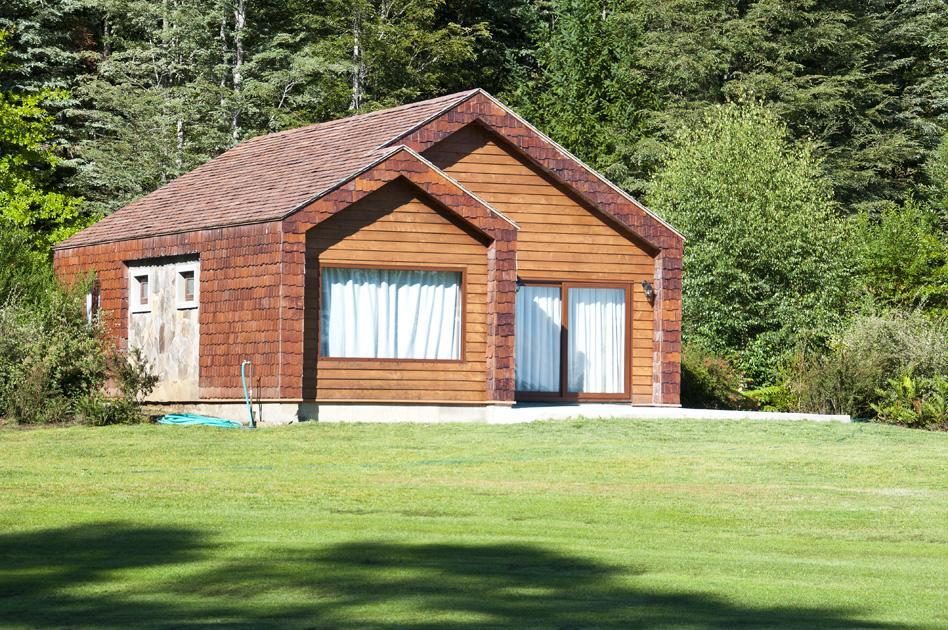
{"x": 597, "y": 345}
{"x": 537, "y": 341}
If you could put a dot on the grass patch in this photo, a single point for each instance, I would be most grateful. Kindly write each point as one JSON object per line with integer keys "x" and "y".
{"x": 568, "y": 524}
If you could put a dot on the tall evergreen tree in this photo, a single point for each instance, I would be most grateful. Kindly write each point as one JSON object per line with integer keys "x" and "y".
{"x": 587, "y": 93}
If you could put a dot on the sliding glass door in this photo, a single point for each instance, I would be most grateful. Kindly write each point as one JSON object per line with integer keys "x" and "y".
{"x": 572, "y": 341}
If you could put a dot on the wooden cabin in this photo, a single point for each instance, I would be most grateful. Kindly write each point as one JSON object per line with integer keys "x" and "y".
{"x": 439, "y": 255}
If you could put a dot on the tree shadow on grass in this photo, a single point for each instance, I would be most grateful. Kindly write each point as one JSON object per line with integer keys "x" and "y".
{"x": 79, "y": 577}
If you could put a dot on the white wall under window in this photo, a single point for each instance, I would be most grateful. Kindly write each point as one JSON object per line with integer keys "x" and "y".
{"x": 390, "y": 314}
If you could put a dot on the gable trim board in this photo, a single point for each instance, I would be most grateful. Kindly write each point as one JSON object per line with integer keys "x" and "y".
{"x": 549, "y": 165}
{"x": 256, "y": 287}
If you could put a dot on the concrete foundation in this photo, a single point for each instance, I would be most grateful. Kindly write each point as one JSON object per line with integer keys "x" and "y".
{"x": 277, "y": 413}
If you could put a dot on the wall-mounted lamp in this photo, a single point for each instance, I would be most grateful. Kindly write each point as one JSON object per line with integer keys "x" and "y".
{"x": 649, "y": 291}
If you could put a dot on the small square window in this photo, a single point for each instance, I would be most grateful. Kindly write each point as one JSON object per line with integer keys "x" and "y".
{"x": 186, "y": 286}
{"x": 187, "y": 277}
{"x": 140, "y": 292}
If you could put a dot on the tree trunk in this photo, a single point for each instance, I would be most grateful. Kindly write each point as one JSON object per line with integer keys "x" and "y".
{"x": 179, "y": 156}
{"x": 240, "y": 20}
{"x": 225, "y": 56}
{"x": 358, "y": 60}
{"x": 106, "y": 37}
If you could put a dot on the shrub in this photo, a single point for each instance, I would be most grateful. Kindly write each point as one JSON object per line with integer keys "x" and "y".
{"x": 904, "y": 257}
{"x": 860, "y": 360}
{"x": 709, "y": 381}
{"x": 97, "y": 409}
{"x": 133, "y": 379}
{"x": 920, "y": 403}
{"x": 773, "y": 398}
{"x": 49, "y": 356}
{"x": 25, "y": 274}
{"x": 53, "y": 364}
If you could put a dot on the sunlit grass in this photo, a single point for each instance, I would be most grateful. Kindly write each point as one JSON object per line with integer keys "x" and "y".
{"x": 569, "y": 524}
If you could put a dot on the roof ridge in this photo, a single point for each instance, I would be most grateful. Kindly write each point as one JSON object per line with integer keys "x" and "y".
{"x": 456, "y": 96}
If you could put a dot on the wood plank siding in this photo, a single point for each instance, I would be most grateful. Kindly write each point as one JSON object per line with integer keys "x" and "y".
{"x": 559, "y": 237}
{"x": 397, "y": 226}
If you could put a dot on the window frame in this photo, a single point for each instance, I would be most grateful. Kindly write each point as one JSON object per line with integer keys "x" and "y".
{"x": 564, "y": 394}
{"x": 462, "y": 355}
{"x": 93, "y": 302}
{"x": 179, "y": 301}
{"x": 134, "y": 294}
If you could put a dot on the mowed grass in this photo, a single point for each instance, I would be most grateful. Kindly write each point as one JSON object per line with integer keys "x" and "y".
{"x": 565, "y": 525}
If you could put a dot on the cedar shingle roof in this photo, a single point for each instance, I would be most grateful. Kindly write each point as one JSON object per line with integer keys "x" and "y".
{"x": 264, "y": 178}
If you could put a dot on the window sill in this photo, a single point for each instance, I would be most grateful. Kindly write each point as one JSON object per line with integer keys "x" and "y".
{"x": 139, "y": 310}
{"x": 186, "y": 307}
{"x": 390, "y": 360}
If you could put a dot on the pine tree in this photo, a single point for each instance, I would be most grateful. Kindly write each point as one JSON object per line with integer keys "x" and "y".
{"x": 587, "y": 93}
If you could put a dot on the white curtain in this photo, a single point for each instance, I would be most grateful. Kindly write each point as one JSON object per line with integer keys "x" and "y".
{"x": 537, "y": 340}
{"x": 390, "y": 314}
{"x": 596, "y": 346}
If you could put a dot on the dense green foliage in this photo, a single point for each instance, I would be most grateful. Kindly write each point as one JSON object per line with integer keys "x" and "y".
{"x": 904, "y": 254}
{"x": 767, "y": 256}
{"x": 801, "y": 147}
{"x": 604, "y": 524}
{"x": 709, "y": 381}
{"x": 54, "y": 363}
{"x": 920, "y": 402}
{"x": 50, "y": 357}
{"x": 157, "y": 87}
{"x": 27, "y": 206}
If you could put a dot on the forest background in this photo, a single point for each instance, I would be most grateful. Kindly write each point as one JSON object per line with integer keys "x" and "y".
{"x": 800, "y": 147}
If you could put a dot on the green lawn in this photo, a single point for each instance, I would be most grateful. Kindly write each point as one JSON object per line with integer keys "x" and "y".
{"x": 571, "y": 524}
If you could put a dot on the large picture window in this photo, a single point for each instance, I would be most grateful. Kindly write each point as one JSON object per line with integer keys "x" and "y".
{"x": 390, "y": 314}
{"x": 572, "y": 340}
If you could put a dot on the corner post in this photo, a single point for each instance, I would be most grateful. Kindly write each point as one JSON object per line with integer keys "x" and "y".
{"x": 501, "y": 298}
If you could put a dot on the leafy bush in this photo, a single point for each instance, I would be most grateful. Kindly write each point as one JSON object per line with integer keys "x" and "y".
{"x": 49, "y": 356}
{"x": 97, "y": 409}
{"x": 54, "y": 364}
{"x": 860, "y": 360}
{"x": 773, "y": 397}
{"x": 709, "y": 381}
{"x": 766, "y": 260}
{"x": 920, "y": 403}
{"x": 904, "y": 257}
{"x": 24, "y": 272}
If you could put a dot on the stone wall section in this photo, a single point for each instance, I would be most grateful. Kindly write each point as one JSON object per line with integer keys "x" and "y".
{"x": 167, "y": 333}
